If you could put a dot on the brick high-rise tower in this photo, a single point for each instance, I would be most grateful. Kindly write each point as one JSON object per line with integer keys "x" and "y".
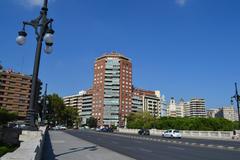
{"x": 112, "y": 89}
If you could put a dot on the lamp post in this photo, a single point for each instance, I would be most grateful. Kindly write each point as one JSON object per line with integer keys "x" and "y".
{"x": 43, "y": 30}
{"x": 45, "y": 102}
{"x": 237, "y": 98}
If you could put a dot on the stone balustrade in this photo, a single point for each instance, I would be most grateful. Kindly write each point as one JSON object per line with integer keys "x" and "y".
{"x": 30, "y": 147}
{"x": 224, "y": 135}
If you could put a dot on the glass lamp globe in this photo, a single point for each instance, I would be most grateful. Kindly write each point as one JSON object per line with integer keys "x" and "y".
{"x": 48, "y": 49}
{"x": 20, "y": 40}
{"x": 48, "y": 38}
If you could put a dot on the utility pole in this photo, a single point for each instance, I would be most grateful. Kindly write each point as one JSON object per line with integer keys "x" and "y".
{"x": 237, "y": 98}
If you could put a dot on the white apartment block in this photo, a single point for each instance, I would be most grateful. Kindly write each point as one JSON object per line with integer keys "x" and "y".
{"x": 75, "y": 101}
{"x": 228, "y": 113}
{"x": 180, "y": 108}
{"x": 81, "y": 101}
{"x": 172, "y": 107}
{"x": 151, "y": 104}
{"x": 187, "y": 110}
{"x": 197, "y": 107}
{"x": 148, "y": 101}
{"x": 212, "y": 113}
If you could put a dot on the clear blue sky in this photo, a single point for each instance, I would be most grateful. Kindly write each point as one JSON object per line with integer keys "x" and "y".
{"x": 184, "y": 48}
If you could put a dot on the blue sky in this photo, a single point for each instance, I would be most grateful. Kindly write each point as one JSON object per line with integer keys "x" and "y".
{"x": 184, "y": 48}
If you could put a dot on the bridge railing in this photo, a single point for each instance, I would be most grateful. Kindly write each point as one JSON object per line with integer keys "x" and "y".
{"x": 30, "y": 147}
{"x": 227, "y": 135}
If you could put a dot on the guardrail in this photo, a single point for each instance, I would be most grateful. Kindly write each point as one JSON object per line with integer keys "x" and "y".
{"x": 30, "y": 147}
{"x": 226, "y": 135}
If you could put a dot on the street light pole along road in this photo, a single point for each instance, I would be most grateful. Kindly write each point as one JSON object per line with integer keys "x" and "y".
{"x": 237, "y": 98}
{"x": 43, "y": 30}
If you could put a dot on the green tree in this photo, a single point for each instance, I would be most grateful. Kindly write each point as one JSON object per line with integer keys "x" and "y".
{"x": 58, "y": 113}
{"x": 140, "y": 120}
{"x": 91, "y": 122}
{"x": 70, "y": 116}
{"x": 55, "y": 109}
{"x": 6, "y": 116}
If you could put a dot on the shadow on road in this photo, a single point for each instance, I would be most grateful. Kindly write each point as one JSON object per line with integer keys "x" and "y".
{"x": 47, "y": 153}
{"x": 91, "y": 148}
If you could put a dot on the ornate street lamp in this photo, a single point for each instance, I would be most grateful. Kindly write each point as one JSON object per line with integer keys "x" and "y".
{"x": 237, "y": 98}
{"x": 43, "y": 30}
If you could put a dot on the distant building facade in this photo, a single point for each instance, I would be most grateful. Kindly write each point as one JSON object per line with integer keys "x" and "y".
{"x": 112, "y": 89}
{"x": 15, "y": 90}
{"x": 171, "y": 110}
{"x": 228, "y": 113}
{"x": 197, "y": 107}
{"x": 82, "y": 102}
{"x": 75, "y": 101}
{"x": 212, "y": 113}
{"x": 187, "y": 109}
{"x": 113, "y": 96}
{"x": 180, "y": 108}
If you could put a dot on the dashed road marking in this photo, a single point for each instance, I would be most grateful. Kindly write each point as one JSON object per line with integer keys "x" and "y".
{"x": 145, "y": 150}
{"x": 178, "y": 148}
{"x": 169, "y": 141}
{"x": 220, "y": 146}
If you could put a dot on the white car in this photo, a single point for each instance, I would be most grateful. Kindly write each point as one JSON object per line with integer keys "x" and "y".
{"x": 172, "y": 133}
{"x": 59, "y": 127}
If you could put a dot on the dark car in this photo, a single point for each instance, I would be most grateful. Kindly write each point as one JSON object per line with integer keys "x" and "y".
{"x": 143, "y": 132}
{"x": 106, "y": 129}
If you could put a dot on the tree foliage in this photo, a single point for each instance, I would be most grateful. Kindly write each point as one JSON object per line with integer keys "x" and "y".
{"x": 58, "y": 113}
{"x": 144, "y": 120}
{"x": 6, "y": 116}
{"x": 140, "y": 120}
{"x": 91, "y": 122}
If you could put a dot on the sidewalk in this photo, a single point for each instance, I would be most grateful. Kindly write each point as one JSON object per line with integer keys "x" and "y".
{"x": 62, "y": 146}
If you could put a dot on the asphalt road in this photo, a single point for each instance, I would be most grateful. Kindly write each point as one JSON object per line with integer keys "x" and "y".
{"x": 143, "y": 149}
{"x": 224, "y": 143}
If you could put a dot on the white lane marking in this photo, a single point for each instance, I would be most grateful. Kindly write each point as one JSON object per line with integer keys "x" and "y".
{"x": 57, "y": 141}
{"x": 138, "y": 141}
{"x": 220, "y": 146}
{"x": 114, "y": 142}
{"x": 178, "y": 148}
{"x": 145, "y": 150}
{"x": 231, "y": 147}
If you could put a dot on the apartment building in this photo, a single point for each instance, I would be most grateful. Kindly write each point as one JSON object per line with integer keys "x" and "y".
{"x": 75, "y": 101}
{"x": 171, "y": 110}
{"x": 112, "y": 89}
{"x": 147, "y": 101}
{"x": 197, "y": 107}
{"x": 15, "y": 90}
{"x": 228, "y": 113}
{"x": 82, "y": 102}
{"x": 212, "y": 113}
{"x": 180, "y": 108}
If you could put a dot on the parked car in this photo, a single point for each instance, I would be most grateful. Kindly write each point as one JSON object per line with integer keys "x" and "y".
{"x": 59, "y": 127}
{"x": 98, "y": 129}
{"x": 106, "y": 129}
{"x": 172, "y": 133}
{"x": 143, "y": 132}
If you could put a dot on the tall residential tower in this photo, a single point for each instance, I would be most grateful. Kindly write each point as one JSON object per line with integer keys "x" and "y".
{"x": 112, "y": 89}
